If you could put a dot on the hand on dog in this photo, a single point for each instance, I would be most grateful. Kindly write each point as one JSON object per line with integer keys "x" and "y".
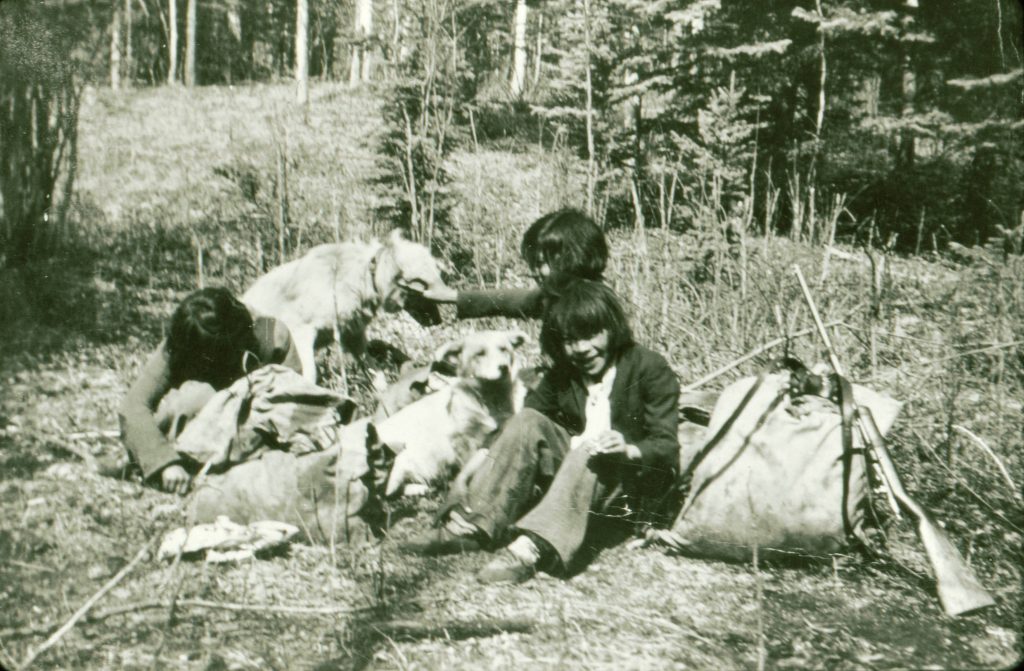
{"x": 612, "y": 442}
{"x": 438, "y": 294}
{"x": 174, "y": 479}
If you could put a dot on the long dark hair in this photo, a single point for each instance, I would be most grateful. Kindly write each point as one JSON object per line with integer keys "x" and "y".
{"x": 569, "y": 242}
{"x": 582, "y": 309}
{"x": 210, "y": 332}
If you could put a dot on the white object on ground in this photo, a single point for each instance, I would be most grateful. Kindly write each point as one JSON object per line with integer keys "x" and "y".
{"x": 224, "y": 540}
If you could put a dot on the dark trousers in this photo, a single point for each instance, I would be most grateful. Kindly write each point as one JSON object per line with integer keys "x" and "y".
{"x": 530, "y": 469}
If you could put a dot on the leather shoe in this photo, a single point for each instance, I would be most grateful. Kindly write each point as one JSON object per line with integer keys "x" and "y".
{"x": 507, "y": 567}
{"x": 439, "y": 542}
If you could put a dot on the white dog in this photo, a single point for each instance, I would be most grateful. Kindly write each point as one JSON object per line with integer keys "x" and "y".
{"x": 437, "y": 434}
{"x": 336, "y": 289}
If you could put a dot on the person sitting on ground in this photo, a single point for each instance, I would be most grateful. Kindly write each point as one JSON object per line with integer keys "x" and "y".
{"x": 557, "y": 247}
{"x": 213, "y": 340}
{"x": 601, "y": 424}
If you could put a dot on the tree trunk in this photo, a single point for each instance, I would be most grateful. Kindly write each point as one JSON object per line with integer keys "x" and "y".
{"x": 115, "y": 48}
{"x": 302, "y": 51}
{"x": 236, "y": 51}
{"x": 363, "y": 27}
{"x": 518, "y": 83}
{"x": 540, "y": 49}
{"x": 396, "y": 37}
{"x": 908, "y": 90}
{"x": 172, "y": 41}
{"x": 190, "y": 43}
{"x": 128, "y": 65}
{"x": 591, "y": 159}
{"x": 234, "y": 17}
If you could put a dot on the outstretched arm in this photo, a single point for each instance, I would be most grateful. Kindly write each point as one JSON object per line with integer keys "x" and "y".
{"x": 143, "y": 438}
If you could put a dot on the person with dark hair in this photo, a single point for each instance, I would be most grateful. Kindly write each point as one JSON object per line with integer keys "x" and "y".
{"x": 600, "y": 425}
{"x": 557, "y": 247}
{"x": 213, "y": 339}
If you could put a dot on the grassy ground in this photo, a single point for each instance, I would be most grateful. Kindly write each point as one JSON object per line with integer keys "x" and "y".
{"x": 167, "y": 173}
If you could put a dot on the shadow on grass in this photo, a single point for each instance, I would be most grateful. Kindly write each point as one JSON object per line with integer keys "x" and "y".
{"x": 401, "y": 618}
{"x": 603, "y": 534}
{"x": 44, "y": 303}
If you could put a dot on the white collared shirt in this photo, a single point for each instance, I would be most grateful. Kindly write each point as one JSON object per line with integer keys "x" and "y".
{"x": 598, "y": 409}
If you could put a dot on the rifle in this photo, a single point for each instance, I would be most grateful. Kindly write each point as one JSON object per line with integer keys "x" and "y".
{"x": 958, "y": 588}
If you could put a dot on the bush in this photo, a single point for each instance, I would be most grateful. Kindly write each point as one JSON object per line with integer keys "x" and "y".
{"x": 38, "y": 126}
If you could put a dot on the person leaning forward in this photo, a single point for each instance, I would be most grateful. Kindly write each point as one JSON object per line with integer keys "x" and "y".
{"x": 601, "y": 425}
{"x": 213, "y": 340}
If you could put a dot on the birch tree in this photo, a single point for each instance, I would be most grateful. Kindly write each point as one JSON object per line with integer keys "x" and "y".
{"x": 128, "y": 60}
{"x": 363, "y": 28}
{"x": 518, "y": 83}
{"x": 302, "y": 51}
{"x": 190, "y": 43}
{"x": 115, "y": 47}
{"x": 172, "y": 41}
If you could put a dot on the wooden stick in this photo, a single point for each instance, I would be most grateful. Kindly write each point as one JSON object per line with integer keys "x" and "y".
{"x": 99, "y": 616}
{"x": 85, "y": 607}
{"x": 988, "y": 450}
{"x": 93, "y": 435}
{"x": 750, "y": 355}
{"x": 833, "y": 359}
{"x": 110, "y": 584}
{"x": 453, "y": 629}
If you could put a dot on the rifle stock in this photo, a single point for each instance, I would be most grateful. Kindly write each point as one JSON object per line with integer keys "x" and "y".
{"x": 958, "y": 588}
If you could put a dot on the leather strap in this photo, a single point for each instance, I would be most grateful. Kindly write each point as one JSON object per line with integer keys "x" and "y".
{"x": 782, "y": 363}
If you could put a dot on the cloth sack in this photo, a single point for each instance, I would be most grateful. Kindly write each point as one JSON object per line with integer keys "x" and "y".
{"x": 330, "y": 495}
{"x": 280, "y": 448}
{"x": 773, "y": 473}
{"x": 271, "y": 408}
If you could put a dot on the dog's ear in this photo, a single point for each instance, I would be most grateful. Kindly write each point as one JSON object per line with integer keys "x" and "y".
{"x": 449, "y": 354}
{"x": 518, "y": 339}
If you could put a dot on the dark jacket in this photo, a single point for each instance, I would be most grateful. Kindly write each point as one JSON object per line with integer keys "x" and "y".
{"x": 514, "y": 303}
{"x": 142, "y": 437}
{"x": 644, "y": 404}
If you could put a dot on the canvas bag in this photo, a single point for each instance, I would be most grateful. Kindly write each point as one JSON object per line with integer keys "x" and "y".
{"x": 773, "y": 473}
{"x": 330, "y": 495}
{"x": 271, "y": 408}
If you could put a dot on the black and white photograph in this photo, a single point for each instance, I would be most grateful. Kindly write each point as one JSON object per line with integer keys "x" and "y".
{"x": 511, "y": 334}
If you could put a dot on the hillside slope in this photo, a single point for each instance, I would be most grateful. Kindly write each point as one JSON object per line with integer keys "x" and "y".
{"x": 176, "y": 186}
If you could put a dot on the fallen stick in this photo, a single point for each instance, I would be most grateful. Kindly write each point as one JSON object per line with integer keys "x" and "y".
{"x": 93, "y": 435}
{"x": 110, "y": 584}
{"x": 976, "y": 439}
{"x": 456, "y": 630}
{"x": 835, "y": 252}
{"x": 99, "y": 616}
{"x": 265, "y": 608}
{"x": 85, "y": 607}
{"x": 748, "y": 356}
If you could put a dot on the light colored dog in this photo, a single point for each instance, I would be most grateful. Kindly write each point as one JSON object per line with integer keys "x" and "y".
{"x": 436, "y": 434}
{"x": 336, "y": 289}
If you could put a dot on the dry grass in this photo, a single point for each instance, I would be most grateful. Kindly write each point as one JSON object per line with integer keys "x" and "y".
{"x": 147, "y": 176}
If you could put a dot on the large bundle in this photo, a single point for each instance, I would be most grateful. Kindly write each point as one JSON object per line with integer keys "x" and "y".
{"x": 785, "y": 468}
{"x": 281, "y": 448}
{"x": 774, "y": 473}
